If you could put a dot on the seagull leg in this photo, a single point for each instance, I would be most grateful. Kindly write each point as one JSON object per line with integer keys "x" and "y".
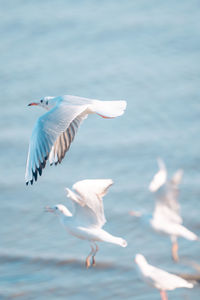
{"x": 175, "y": 251}
{"x": 87, "y": 261}
{"x": 163, "y": 295}
{"x": 95, "y": 252}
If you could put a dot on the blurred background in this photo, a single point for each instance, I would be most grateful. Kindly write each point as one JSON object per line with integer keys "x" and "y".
{"x": 143, "y": 51}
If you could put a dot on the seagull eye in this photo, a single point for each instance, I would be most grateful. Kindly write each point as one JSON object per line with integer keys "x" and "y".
{"x": 41, "y": 101}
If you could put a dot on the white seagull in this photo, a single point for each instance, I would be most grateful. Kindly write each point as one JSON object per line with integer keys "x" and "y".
{"x": 88, "y": 219}
{"x": 166, "y": 217}
{"x": 158, "y": 278}
{"x": 55, "y": 130}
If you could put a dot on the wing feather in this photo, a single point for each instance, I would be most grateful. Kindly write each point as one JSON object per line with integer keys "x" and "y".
{"x": 91, "y": 192}
{"x": 63, "y": 142}
{"x": 167, "y": 205}
{"x": 51, "y": 138}
{"x": 83, "y": 215}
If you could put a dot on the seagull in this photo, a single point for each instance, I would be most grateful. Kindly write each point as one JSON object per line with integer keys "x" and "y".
{"x": 55, "y": 130}
{"x": 166, "y": 218}
{"x": 88, "y": 218}
{"x": 158, "y": 278}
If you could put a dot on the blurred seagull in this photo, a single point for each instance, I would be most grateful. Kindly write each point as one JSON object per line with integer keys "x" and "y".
{"x": 55, "y": 130}
{"x": 88, "y": 219}
{"x": 166, "y": 217}
{"x": 158, "y": 278}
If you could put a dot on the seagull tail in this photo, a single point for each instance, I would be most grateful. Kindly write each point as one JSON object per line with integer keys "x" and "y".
{"x": 119, "y": 241}
{"x": 189, "y": 285}
{"x": 109, "y": 109}
{"x": 107, "y": 237}
{"x": 187, "y": 234}
{"x": 123, "y": 243}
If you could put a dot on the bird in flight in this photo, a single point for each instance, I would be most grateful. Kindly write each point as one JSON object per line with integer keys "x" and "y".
{"x": 55, "y": 130}
{"x": 158, "y": 278}
{"x": 88, "y": 218}
{"x": 166, "y": 218}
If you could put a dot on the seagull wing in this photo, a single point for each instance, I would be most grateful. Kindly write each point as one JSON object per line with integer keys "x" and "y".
{"x": 177, "y": 177}
{"x": 51, "y": 137}
{"x": 163, "y": 280}
{"x": 64, "y": 140}
{"x": 159, "y": 178}
{"x": 167, "y": 205}
{"x": 83, "y": 215}
{"x": 164, "y": 210}
{"x": 89, "y": 203}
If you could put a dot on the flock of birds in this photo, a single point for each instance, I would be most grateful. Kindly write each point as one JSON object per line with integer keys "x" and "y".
{"x": 51, "y": 138}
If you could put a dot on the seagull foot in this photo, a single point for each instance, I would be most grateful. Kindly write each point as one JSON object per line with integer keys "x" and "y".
{"x": 87, "y": 263}
{"x": 163, "y": 295}
{"x": 175, "y": 252}
{"x": 175, "y": 258}
{"x": 93, "y": 262}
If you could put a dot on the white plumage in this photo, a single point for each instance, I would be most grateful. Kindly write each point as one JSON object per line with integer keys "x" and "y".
{"x": 159, "y": 278}
{"x": 55, "y": 130}
{"x": 166, "y": 216}
{"x": 88, "y": 218}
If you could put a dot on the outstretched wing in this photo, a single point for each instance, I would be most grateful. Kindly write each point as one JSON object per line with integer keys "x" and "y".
{"x": 51, "y": 137}
{"x": 89, "y": 203}
{"x": 177, "y": 177}
{"x": 161, "y": 279}
{"x": 64, "y": 140}
{"x": 159, "y": 178}
{"x": 167, "y": 205}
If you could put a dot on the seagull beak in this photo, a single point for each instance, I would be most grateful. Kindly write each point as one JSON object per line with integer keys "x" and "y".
{"x": 33, "y": 103}
{"x": 48, "y": 209}
{"x": 135, "y": 213}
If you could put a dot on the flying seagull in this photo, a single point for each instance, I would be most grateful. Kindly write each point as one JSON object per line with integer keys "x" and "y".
{"x": 88, "y": 218}
{"x": 55, "y": 130}
{"x": 158, "y": 278}
{"x": 166, "y": 218}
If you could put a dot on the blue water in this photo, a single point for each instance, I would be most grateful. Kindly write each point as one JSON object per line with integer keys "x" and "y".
{"x": 143, "y": 51}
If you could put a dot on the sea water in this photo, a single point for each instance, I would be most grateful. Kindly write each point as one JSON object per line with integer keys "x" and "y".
{"x": 143, "y": 51}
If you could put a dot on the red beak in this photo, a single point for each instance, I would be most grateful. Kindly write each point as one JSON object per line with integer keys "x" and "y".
{"x": 33, "y": 103}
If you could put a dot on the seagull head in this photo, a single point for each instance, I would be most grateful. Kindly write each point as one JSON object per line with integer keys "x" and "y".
{"x": 59, "y": 210}
{"x": 47, "y": 102}
{"x": 140, "y": 259}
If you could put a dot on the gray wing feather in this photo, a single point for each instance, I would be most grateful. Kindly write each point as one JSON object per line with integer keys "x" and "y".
{"x": 51, "y": 137}
{"x": 63, "y": 142}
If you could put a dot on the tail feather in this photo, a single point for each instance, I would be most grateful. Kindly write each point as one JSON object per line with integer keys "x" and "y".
{"x": 109, "y": 238}
{"x": 189, "y": 285}
{"x": 119, "y": 241}
{"x": 123, "y": 243}
{"x": 184, "y": 232}
{"x": 109, "y": 109}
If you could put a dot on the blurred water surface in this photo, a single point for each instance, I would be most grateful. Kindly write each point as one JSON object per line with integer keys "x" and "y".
{"x": 144, "y": 51}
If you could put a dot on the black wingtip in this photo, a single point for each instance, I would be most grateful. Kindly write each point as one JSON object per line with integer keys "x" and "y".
{"x": 35, "y": 174}
{"x": 40, "y": 171}
{"x": 43, "y": 164}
